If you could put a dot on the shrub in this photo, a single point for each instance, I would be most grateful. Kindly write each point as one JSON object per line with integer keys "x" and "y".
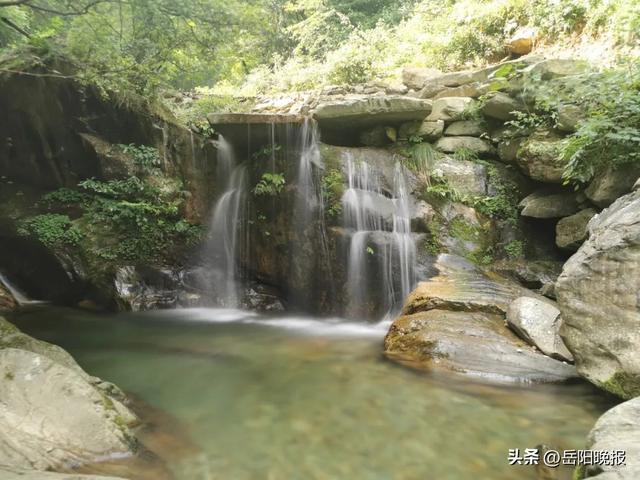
{"x": 52, "y": 229}
{"x": 271, "y": 184}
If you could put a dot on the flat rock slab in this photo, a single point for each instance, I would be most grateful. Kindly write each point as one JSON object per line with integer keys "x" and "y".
{"x": 236, "y": 127}
{"x": 15, "y": 474}
{"x": 472, "y": 343}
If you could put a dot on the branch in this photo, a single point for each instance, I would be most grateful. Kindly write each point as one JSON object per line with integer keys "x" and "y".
{"x": 8, "y": 22}
{"x": 69, "y": 13}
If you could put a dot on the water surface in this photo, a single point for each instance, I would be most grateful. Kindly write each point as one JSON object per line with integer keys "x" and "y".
{"x": 300, "y": 398}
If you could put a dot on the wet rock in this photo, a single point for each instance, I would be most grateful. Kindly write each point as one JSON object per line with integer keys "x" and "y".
{"x": 549, "y": 204}
{"x": 415, "y": 77}
{"x": 617, "y": 429}
{"x": 449, "y": 108}
{"x": 572, "y": 231}
{"x": 537, "y": 322}
{"x": 464, "y": 176}
{"x": 370, "y": 111}
{"x": 606, "y": 187}
{"x": 476, "y": 145}
{"x": 469, "y": 128}
{"x": 598, "y": 297}
{"x": 261, "y": 298}
{"x": 7, "y": 473}
{"x": 473, "y": 343}
{"x": 501, "y": 106}
{"x": 7, "y": 302}
{"x": 539, "y": 157}
{"x": 54, "y": 413}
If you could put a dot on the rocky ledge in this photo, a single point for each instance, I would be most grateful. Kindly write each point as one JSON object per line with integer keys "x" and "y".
{"x": 54, "y": 414}
{"x": 456, "y": 321}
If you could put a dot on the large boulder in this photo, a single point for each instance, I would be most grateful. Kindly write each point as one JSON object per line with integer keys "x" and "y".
{"x": 549, "y": 204}
{"x": 559, "y": 67}
{"x": 463, "y": 176}
{"x": 522, "y": 41}
{"x": 54, "y": 413}
{"x": 569, "y": 116}
{"x": 370, "y": 111}
{"x": 449, "y": 108}
{"x": 537, "y": 322}
{"x": 606, "y": 187}
{"x": 426, "y": 130}
{"x": 469, "y": 128}
{"x": 598, "y": 296}
{"x": 617, "y": 430}
{"x": 415, "y": 77}
{"x": 472, "y": 343}
{"x": 476, "y": 145}
{"x": 539, "y": 157}
{"x": 572, "y": 231}
{"x": 501, "y": 106}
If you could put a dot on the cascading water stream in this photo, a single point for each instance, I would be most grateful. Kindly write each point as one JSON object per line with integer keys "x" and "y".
{"x": 381, "y": 254}
{"x": 226, "y": 232}
{"x": 17, "y": 294}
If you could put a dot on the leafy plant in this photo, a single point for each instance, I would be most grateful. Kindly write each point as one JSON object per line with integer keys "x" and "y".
{"x": 465, "y": 154}
{"x": 271, "y": 184}
{"x": 145, "y": 157}
{"x": 52, "y": 229}
{"x": 332, "y": 191}
{"x": 514, "y": 249}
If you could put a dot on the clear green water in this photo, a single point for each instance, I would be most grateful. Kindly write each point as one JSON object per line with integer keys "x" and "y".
{"x": 297, "y": 398}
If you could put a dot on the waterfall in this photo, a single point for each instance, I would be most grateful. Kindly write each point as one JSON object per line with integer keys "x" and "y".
{"x": 226, "y": 233}
{"x": 381, "y": 253}
{"x": 17, "y": 294}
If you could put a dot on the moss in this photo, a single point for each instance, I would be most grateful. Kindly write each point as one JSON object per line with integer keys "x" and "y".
{"x": 623, "y": 385}
{"x": 579, "y": 473}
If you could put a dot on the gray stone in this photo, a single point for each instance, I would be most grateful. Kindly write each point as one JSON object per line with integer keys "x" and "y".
{"x": 415, "y": 77}
{"x": 539, "y": 157}
{"x": 449, "y": 108}
{"x": 500, "y": 106}
{"x": 464, "y": 176}
{"x": 470, "y": 128}
{"x": 606, "y": 187}
{"x": 568, "y": 117}
{"x": 572, "y": 231}
{"x": 598, "y": 297}
{"x": 617, "y": 429}
{"x": 371, "y": 111}
{"x": 7, "y": 473}
{"x": 452, "y": 144}
{"x": 477, "y": 344}
{"x": 426, "y": 130}
{"x": 537, "y": 322}
{"x": 545, "y": 204}
{"x": 473, "y": 90}
{"x": 559, "y": 67}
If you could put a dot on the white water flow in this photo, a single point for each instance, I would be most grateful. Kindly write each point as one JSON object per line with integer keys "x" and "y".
{"x": 382, "y": 252}
{"x": 226, "y": 233}
{"x": 17, "y": 294}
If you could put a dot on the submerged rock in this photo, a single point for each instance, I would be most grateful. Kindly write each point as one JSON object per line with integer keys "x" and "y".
{"x": 617, "y": 430}
{"x": 598, "y": 296}
{"x": 538, "y": 323}
{"x": 54, "y": 413}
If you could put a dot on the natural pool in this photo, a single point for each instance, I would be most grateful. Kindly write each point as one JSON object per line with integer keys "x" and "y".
{"x": 259, "y": 397}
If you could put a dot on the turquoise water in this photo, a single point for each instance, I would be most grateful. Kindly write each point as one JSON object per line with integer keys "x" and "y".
{"x": 301, "y": 398}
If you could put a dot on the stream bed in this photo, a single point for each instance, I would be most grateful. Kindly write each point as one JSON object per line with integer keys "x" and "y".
{"x": 289, "y": 397}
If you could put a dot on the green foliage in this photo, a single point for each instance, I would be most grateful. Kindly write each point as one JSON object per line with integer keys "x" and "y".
{"x": 64, "y": 196}
{"x": 465, "y": 155}
{"x": 271, "y": 184}
{"x": 332, "y": 191}
{"x": 144, "y": 157}
{"x": 514, "y": 249}
{"x": 267, "y": 151}
{"x": 422, "y": 157}
{"x": 51, "y": 229}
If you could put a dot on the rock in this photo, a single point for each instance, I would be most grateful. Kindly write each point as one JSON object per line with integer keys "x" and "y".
{"x": 473, "y": 343}
{"x": 530, "y": 273}
{"x": 426, "y": 130}
{"x": 7, "y": 302}
{"x": 598, "y": 297}
{"x": 500, "y": 106}
{"x": 508, "y": 149}
{"x": 473, "y": 90}
{"x": 549, "y": 204}
{"x": 617, "y": 430}
{"x": 568, "y": 117}
{"x": 375, "y": 137}
{"x": 54, "y": 413}
{"x": 636, "y": 186}
{"x": 7, "y": 473}
{"x": 606, "y": 187}
{"x": 449, "y": 108}
{"x": 146, "y": 288}
{"x": 364, "y": 112}
{"x": 554, "y": 68}
{"x": 415, "y": 77}
{"x": 470, "y": 128}
{"x": 523, "y": 40}
{"x": 572, "y": 231}
{"x": 537, "y": 322}
{"x": 539, "y": 157}
{"x": 464, "y": 176}
{"x": 452, "y": 144}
